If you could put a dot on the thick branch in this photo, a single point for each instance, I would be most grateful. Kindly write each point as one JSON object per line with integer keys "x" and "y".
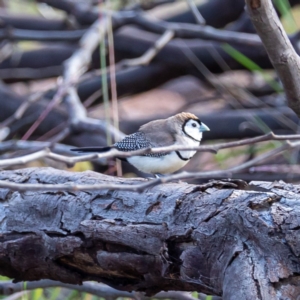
{"x": 42, "y": 36}
{"x": 30, "y": 22}
{"x": 98, "y": 289}
{"x": 217, "y": 13}
{"x": 280, "y": 50}
{"x": 170, "y": 237}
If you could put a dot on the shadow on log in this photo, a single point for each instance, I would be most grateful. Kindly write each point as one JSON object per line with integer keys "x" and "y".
{"x": 241, "y": 244}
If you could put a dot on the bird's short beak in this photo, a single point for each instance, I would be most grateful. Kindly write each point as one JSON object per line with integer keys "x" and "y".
{"x": 203, "y": 127}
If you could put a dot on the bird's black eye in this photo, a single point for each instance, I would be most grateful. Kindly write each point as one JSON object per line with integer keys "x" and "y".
{"x": 194, "y": 124}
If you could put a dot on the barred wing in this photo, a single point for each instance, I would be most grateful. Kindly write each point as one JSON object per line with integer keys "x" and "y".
{"x": 136, "y": 141}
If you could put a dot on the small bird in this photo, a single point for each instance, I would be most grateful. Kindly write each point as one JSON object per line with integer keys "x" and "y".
{"x": 183, "y": 129}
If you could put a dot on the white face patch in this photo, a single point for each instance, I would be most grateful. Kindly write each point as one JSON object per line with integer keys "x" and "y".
{"x": 192, "y": 129}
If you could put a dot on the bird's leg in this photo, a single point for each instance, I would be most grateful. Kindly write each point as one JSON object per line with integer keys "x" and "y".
{"x": 158, "y": 175}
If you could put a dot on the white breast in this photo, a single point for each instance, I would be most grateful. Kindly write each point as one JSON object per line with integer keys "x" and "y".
{"x": 163, "y": 165}
{"x": 188, "y": 142}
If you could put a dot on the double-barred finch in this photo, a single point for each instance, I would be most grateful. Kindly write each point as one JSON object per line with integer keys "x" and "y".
{"x": 183, "y": 129}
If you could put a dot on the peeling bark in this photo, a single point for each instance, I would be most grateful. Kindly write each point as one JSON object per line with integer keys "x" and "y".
{"x": 240, "y": 244}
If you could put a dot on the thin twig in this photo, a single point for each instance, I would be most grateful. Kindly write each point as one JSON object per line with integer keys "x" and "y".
{"x": 185, "y": 30}
{"x": 74, "y": 67}
{"x": 46, "y": 153}
{"x": 141, "y": 187}
{"x": 147, "y": 5}
{"x": 281, "y": 168}
{"x": 6, "y": 50}
{"x": 56, "y": 134}
{"x": 113, "y": 85}
{"x": 97, "y": 289}
{"x": 148, "y": 56}
{"x": 16, "y": 296}
{"x": 78, "y": 63}
{"x": 92, "y": 98}
{"x": 60, "y": 136}
{"x": 15, "y": 145}
{"x": 21, "y": 110}
{"x": 198, "y": 17}
{"x": 61, "y": 91}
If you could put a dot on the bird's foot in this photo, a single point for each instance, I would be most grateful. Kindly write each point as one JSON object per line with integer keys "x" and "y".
{"x": 158, "y": 175}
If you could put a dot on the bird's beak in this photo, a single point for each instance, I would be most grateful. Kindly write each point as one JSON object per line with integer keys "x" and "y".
{"x": 203, "y": 127}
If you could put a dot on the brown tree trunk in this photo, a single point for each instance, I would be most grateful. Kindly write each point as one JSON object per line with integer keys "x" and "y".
{"x": 241, "y": 244}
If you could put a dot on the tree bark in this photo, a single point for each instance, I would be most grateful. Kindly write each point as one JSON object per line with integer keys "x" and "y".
{"x": 284, "y": 57}
{"x": 241, "y": 244}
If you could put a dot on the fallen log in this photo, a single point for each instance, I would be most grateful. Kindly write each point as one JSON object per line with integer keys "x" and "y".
{"x": 238, "y": 243}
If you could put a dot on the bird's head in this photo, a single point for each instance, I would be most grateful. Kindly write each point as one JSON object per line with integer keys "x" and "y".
{"x": 191, "y": 126}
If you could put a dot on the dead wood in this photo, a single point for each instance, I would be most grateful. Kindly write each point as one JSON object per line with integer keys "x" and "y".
{"x": 229, "y": 124}
{"x": 30, "y": 23}
{"x": 241, "y": 244}
{"x": 284, "y": 58}
{"x": 234, "y": 123}
{"x": 44, "y": 62}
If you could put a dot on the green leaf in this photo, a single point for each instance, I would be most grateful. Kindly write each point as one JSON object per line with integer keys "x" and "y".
{"x": 284, "y": 7}
{"x": 251, "y": 65}
{"x": 37, "y": 294}
{"x": 55, "y": 293}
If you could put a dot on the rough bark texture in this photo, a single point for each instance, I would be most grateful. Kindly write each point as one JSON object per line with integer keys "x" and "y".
{"x": 242, "y": 244}
{"x": 284, "y": 58}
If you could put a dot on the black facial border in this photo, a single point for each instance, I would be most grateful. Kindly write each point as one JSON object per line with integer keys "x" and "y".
{"x": 187, "y": 133}
{"x": 181, "y": 157}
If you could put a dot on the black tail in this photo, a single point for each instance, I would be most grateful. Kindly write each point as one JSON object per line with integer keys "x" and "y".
{"x": 91, "y": 149}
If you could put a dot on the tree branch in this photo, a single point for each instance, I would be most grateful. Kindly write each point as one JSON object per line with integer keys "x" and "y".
{"x": 139, "y": 187}
{"x": 46, "y": 153}
{"x": 14, "y": 34}
{"x": 147, "y": 57}
{"x": 197, "y": 15}
{"x": 172, "y": 237}
{"x": 97, "y": 289}
{"x": 183, "y": 30}
{"x": 283, "y": 57}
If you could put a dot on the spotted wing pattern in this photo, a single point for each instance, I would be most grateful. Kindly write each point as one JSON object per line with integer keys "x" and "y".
{"x": 136, "y": 141}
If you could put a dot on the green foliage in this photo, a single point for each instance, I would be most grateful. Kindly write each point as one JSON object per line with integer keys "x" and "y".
{"x": 23, "y": 6}
{"x": 222, "y": 157}
{"x": 283, "y": 6}
{"x": 54, "y": 293}
{"x": 37, "y": 294}
{"x": 251, "y": 66}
